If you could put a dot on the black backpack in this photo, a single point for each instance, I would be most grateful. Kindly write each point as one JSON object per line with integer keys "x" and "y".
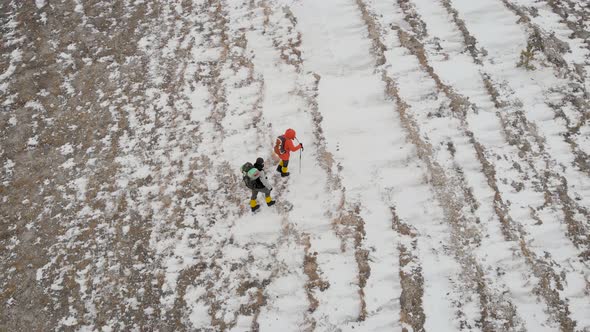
{"x": 247, "y": 181}
{"x": 280, "y": 145}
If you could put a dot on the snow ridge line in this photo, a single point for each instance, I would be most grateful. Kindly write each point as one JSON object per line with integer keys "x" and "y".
{"x": 566, "y": 9}
{"x": 216, "y": 87}
{"x": 176, "y": 80}
{"x": 250, "y": 289}
{"x": 551, "y": 46}
{"x": 570, "y": 207}
{"x": 193, "y": 196}
{"x": 572, "y": 224}
{"x": 451, "y": 204}
{"x": 523, "y": 134}
{"x": 172, "y": 165}
{"x": 325, "y": 157}
{"x": 8, "y": 44}
{"x": 468, "y": 39}
{"x": 424, "y": 149}
{"x": 413, "y": 18}
{"x": 326, "y": 161}
{"x": 557, "y": 307}
{"x": 412, "y": 280}
{"x": 347, "y": 224}
{"x": 314, "y": 282}
{"x": 574, "y": 16}
{"x": 460, "y": 105}
{"x": 285, "y": 37}
{"x": 576, "y": 95}
{"x": 288, "y": 230}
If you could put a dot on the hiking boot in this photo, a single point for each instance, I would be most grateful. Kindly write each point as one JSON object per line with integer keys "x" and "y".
{"x": 271, "y": 203}
{"x": 279, "y": 169}
{"x": 255, "y": 208}
{"x": 285, "y": 174}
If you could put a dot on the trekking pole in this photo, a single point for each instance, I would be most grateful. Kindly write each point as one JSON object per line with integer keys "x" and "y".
{"x": 300, "y": 155}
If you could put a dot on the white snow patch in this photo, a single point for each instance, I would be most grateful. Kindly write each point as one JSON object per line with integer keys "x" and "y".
{"x": 40, "y": 3}
{"x": 80, "y": 184}
{"x": 66, "y": 149}
{"x": 8, "y": 167}
{"x": 15, "y": 56}
{"x": 35, "y": 105}
{"x": 68, "y": 164}
{"x": 69, "y": 321}
{"x": 33, "y": 141}
{"x": 199, "y": 311}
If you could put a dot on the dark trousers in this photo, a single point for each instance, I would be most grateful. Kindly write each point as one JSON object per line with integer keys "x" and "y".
{"x": 261, "y": 190}
{"x": 282, "y": 163}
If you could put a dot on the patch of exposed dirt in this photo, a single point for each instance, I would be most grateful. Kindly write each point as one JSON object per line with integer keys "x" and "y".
{"x": 413, "y": 18}
{"x": 411, "y": 279}
{"x": 350, "y": 227}
{"x": 315, "y": 281}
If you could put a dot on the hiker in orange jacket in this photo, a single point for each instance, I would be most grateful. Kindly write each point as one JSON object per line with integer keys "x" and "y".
{"x": 283, "y": 148}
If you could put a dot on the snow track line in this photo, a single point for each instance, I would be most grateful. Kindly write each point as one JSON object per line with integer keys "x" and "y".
{"x": 235, "y": 297}
{"x": 289, "y": 234}
{"x": 413, "y": 18}
{"x": 361, "y": 216}
{"x": 522, "y": 133}
{"x": 468, "y": 39}
{"x": 546, "y": 175}
{"x": 334, "y": 184}
{"x": 576, "y": 96}
{"x": 574, "y": 15}
{"x": 315, "y": 281}
{"x": 493, "y": 304}
{"x": 412, "y": 280}
{"x": 551, "y": 46}
{"x": 558, "y": 307}
{"x": 347, "y": 223}
{"x": 349, "y": 226}
{"x": 425, "y": 151}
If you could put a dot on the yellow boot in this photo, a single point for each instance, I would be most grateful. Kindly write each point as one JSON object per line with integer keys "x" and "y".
{"x": 284, "y": 171}
{"x": 269, "y": 201}
{"x": 254, "y": 205}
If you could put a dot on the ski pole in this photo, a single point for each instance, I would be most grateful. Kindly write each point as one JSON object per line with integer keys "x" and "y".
{"x": 300, "y": 155}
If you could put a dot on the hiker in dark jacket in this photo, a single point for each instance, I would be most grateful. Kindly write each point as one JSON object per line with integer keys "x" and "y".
{"x": 257, "y": 181}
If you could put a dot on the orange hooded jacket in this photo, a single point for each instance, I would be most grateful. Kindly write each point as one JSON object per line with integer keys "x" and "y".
{"x": 288, "y": 147}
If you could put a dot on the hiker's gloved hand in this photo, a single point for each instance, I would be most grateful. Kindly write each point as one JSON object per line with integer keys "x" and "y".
{"x": 301, "y": 144}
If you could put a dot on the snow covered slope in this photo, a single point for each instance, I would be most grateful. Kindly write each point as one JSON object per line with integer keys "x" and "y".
{"x": 444, "y": 185}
